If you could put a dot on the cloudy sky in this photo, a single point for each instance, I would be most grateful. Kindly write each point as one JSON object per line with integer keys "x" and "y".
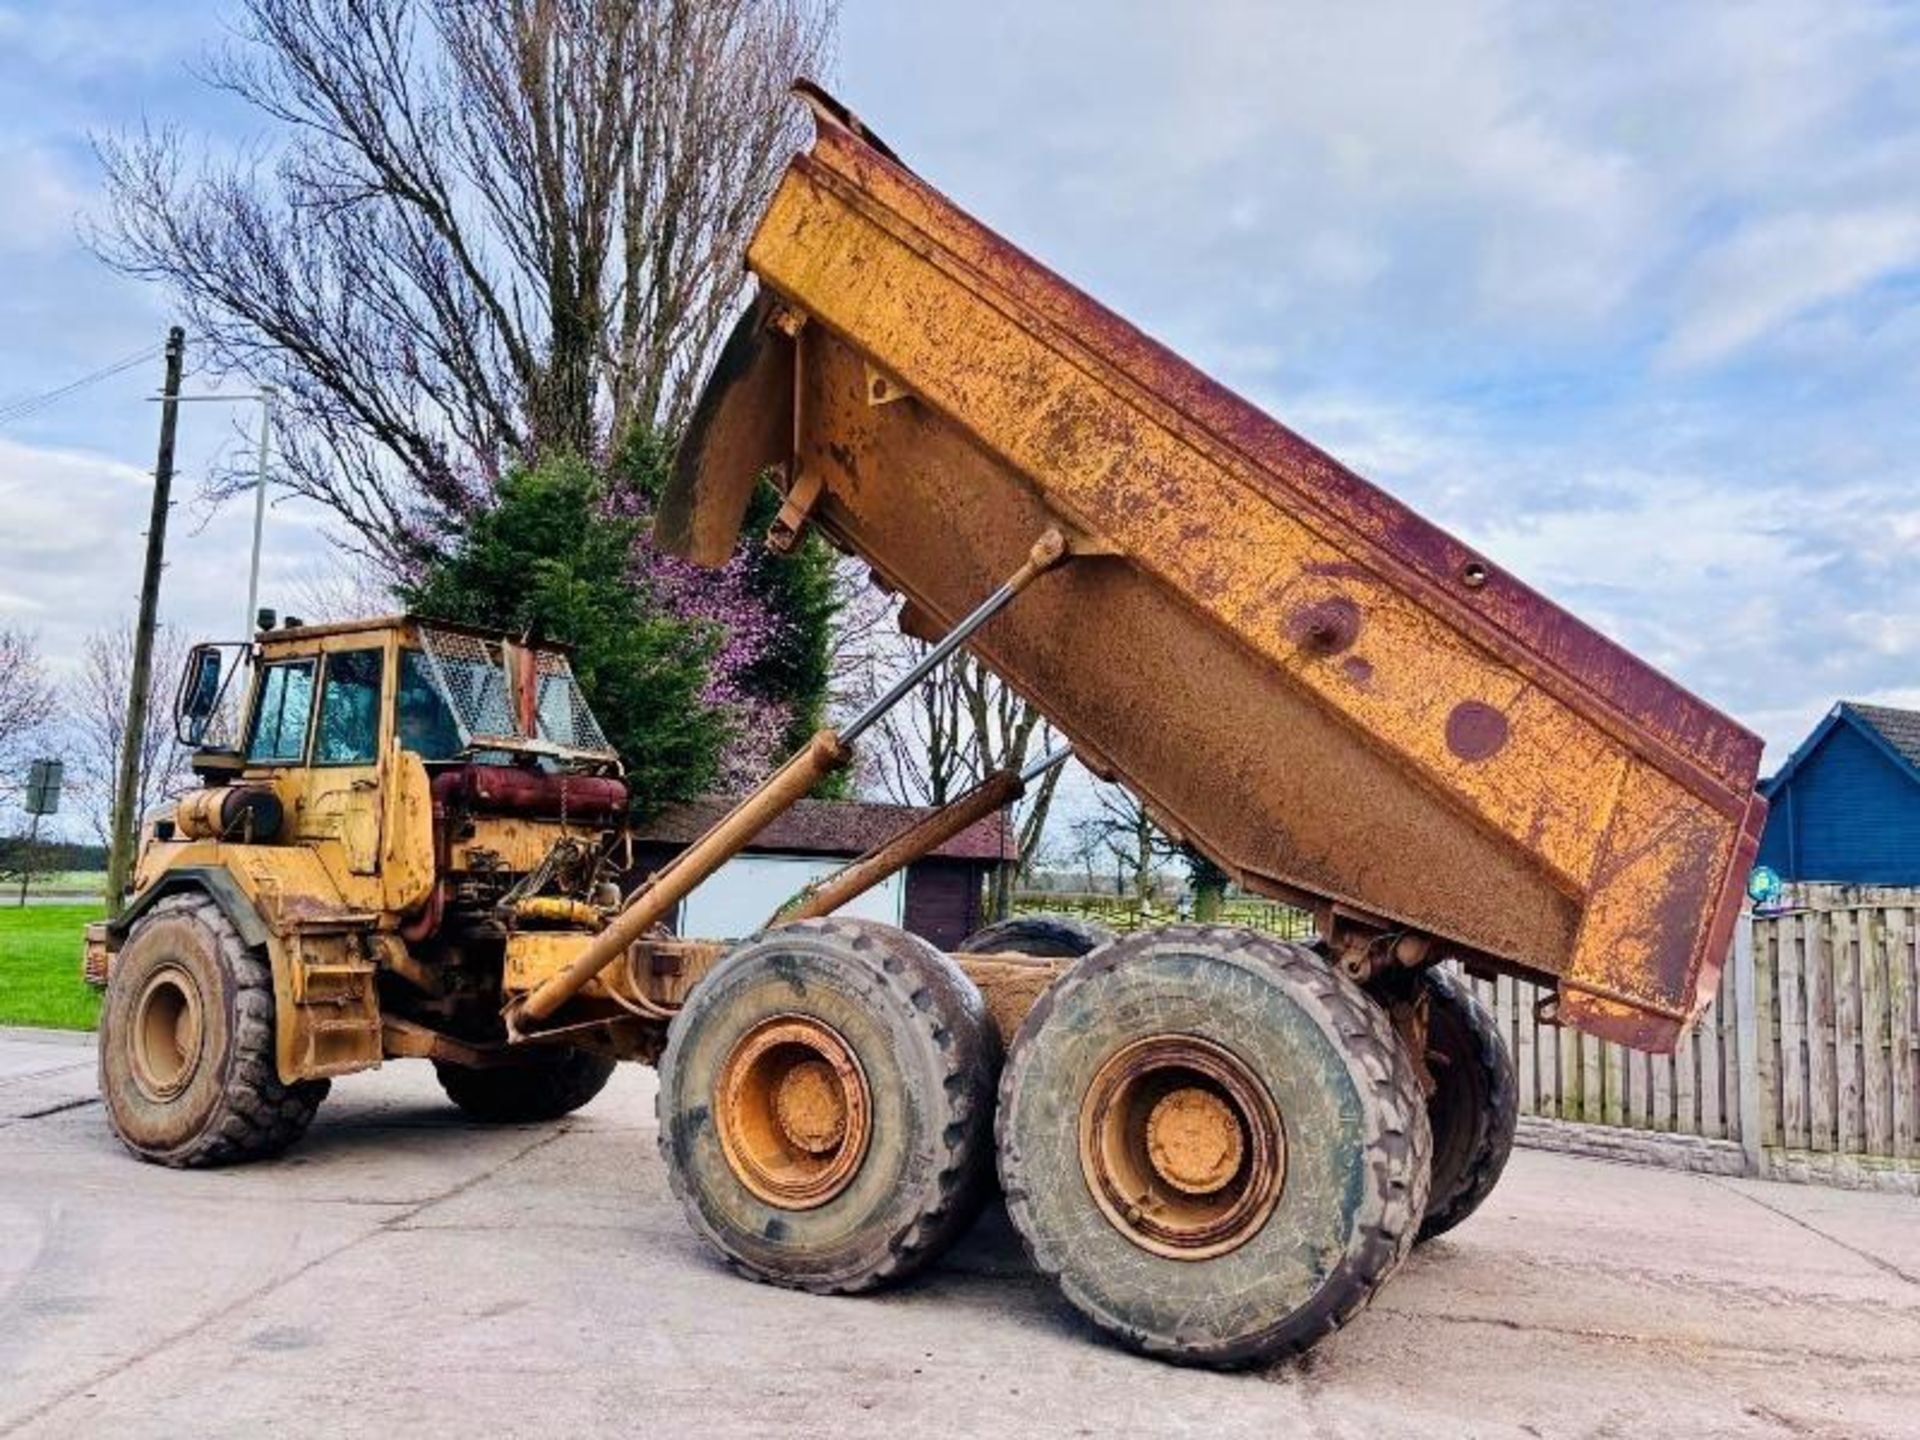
{"x": 1628, "y": 295}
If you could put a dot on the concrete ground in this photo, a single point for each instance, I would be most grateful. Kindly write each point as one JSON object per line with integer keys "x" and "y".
{"x": 405, "y": 1273}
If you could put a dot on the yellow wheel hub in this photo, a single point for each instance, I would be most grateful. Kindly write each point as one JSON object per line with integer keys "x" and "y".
{"x": 1182, "y": 1147}
{"x": 167, "y": 1033}
{"x": 1195, "y": 1140}
{"x": 793, "y": 1112}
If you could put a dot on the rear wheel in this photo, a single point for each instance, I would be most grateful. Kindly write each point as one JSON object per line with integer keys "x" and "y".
{"x": 187, "y": 1066}
{"x": 1046, "y": 936}
{"x": 826, "y": 1102}
{"x": 1474, "y": 1106}
{"x": 542, "y": 1084}
{"x": 1216, "y": 1145}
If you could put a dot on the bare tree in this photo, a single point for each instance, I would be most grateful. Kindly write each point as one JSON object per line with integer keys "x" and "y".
{"x": 339, "y": 586}
{"x": 97, "y": 699}
{"x": 1138, "y": 847}
{"x": 1084, "y": 846}
{"x": 27, "y": 707}
{"x": 960, "y": 724}
{"x": 485, "y": 230}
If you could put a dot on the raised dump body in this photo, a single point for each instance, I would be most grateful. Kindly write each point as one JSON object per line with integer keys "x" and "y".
{"x": 1335, "y": 700}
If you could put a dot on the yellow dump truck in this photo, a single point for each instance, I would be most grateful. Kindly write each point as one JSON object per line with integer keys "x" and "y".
{"x": 1218, "y": 1143}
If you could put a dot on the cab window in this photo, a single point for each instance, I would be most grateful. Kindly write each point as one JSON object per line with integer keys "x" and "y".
{"x": 279, "y": 732}
{"x": 349, "y": 732}
{"x": 425, "y": 721}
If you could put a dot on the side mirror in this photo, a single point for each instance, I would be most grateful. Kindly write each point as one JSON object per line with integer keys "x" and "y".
{"x": 199, "y": 693}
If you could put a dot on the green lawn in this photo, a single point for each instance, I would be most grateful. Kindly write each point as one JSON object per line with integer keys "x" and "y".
{"x": 40, "y": 980}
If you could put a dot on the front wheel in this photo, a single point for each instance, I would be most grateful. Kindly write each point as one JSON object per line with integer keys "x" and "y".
{"x": 187, "y": 1068}
{"x": 1214, "y": 1143}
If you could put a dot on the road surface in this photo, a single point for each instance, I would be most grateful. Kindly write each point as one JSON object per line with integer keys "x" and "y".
{"x": 406, "y": 1273}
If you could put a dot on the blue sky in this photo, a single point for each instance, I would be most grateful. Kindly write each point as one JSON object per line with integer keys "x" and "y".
{"x": 1628, "y": 295}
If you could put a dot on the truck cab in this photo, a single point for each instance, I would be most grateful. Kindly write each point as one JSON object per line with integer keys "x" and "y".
{"x": 393, "y": 814}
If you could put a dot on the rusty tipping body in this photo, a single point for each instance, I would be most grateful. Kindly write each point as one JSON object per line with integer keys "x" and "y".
{"x": 1340, "y": 704}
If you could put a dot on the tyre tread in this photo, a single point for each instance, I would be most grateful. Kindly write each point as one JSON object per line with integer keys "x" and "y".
{"x": 258, "y": 1115}
{"x": 911, "y": 972}
{"x": 1392, "y": 1092}
{"x": 1500, "y": 1112}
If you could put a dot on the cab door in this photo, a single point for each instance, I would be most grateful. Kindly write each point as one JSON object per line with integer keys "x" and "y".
{"x": 342, "y": 782}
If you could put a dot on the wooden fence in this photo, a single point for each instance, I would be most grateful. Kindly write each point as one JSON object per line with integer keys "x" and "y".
{"x": 1565, "y": 1075}
{"x": 1821, "y": 1079}
{"x": 1832, "y": 1086}
{"x": 1841, "y": 1071}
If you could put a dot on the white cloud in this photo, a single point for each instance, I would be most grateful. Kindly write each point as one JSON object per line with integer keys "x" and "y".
{"x": 73, "y": 543}
{"x": 1777, "y": 269}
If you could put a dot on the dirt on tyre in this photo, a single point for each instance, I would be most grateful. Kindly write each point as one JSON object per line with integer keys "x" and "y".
{"x": 826, "y": 1102}
{"x": 543, "y": 1084}
{"x": 1474, "y": 1105}
{"x": 1216, "y": 1145}
{"x": 1047, "y": 936}
{"x": 187, "y": 1068}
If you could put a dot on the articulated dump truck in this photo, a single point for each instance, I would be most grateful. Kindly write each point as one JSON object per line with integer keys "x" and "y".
{"x": 1220, "y": 1144}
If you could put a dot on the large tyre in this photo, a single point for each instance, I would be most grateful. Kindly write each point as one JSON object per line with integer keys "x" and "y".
{"x": 1474, "y": 1105}
{"x": 826, "y": 1102}
{"x": 1214, "y": 1143}
{"x": 1047, "y": 936}
{"x": 187, "y": 1067}
{"x": 543, "y": 1084}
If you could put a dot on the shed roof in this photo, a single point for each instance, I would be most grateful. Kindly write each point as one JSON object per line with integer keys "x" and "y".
{"x": 831, "y": 827}
{"x": 1899, "y": 728}
{"x": 1895, "y": 732}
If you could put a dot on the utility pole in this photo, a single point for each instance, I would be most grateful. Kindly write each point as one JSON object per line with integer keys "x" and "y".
{"x": 259, "y": 512}
{"x": 126, "y": 798}
{"x": 266, "y": 395}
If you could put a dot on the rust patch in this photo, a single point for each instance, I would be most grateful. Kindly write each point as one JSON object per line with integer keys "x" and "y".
{"x": 1475, "y": 730}
{"x": 1326, "y": 627}
{"x": 1733, "y": 898}
{"x": 844, "y": 456}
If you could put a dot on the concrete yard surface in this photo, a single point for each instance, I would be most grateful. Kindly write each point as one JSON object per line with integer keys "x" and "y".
{"x": 404, "y": 1272}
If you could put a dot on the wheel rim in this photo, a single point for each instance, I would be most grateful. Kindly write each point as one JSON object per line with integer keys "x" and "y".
{"x": 167, "y": 1033}
{"x": 1182, "y": 1147}
{"x": 793, "y": 1112}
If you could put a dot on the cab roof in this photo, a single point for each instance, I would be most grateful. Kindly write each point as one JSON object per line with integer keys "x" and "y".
{"x": 404, "y": 622}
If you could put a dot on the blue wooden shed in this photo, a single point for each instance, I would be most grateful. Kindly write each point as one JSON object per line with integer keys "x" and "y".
{"x": 1845, "y": 808}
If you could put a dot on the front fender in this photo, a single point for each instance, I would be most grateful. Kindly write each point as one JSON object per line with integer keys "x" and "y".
{"x": 217, "y": 884}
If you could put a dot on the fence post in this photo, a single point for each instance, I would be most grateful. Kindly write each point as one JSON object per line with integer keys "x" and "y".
{"x": 1747, "y": 1027}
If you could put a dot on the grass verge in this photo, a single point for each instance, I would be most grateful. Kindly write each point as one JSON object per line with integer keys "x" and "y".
{"x": 40, "y": 980}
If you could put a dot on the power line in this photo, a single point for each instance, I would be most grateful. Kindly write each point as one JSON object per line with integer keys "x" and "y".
{"x": 33, "y": 404}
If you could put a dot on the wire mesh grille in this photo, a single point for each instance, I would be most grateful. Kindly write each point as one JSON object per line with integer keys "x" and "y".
{"x": 472, "y": 674}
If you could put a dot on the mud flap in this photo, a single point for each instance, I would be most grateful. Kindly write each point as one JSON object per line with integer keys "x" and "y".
{"x": 328, "y": 1003}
